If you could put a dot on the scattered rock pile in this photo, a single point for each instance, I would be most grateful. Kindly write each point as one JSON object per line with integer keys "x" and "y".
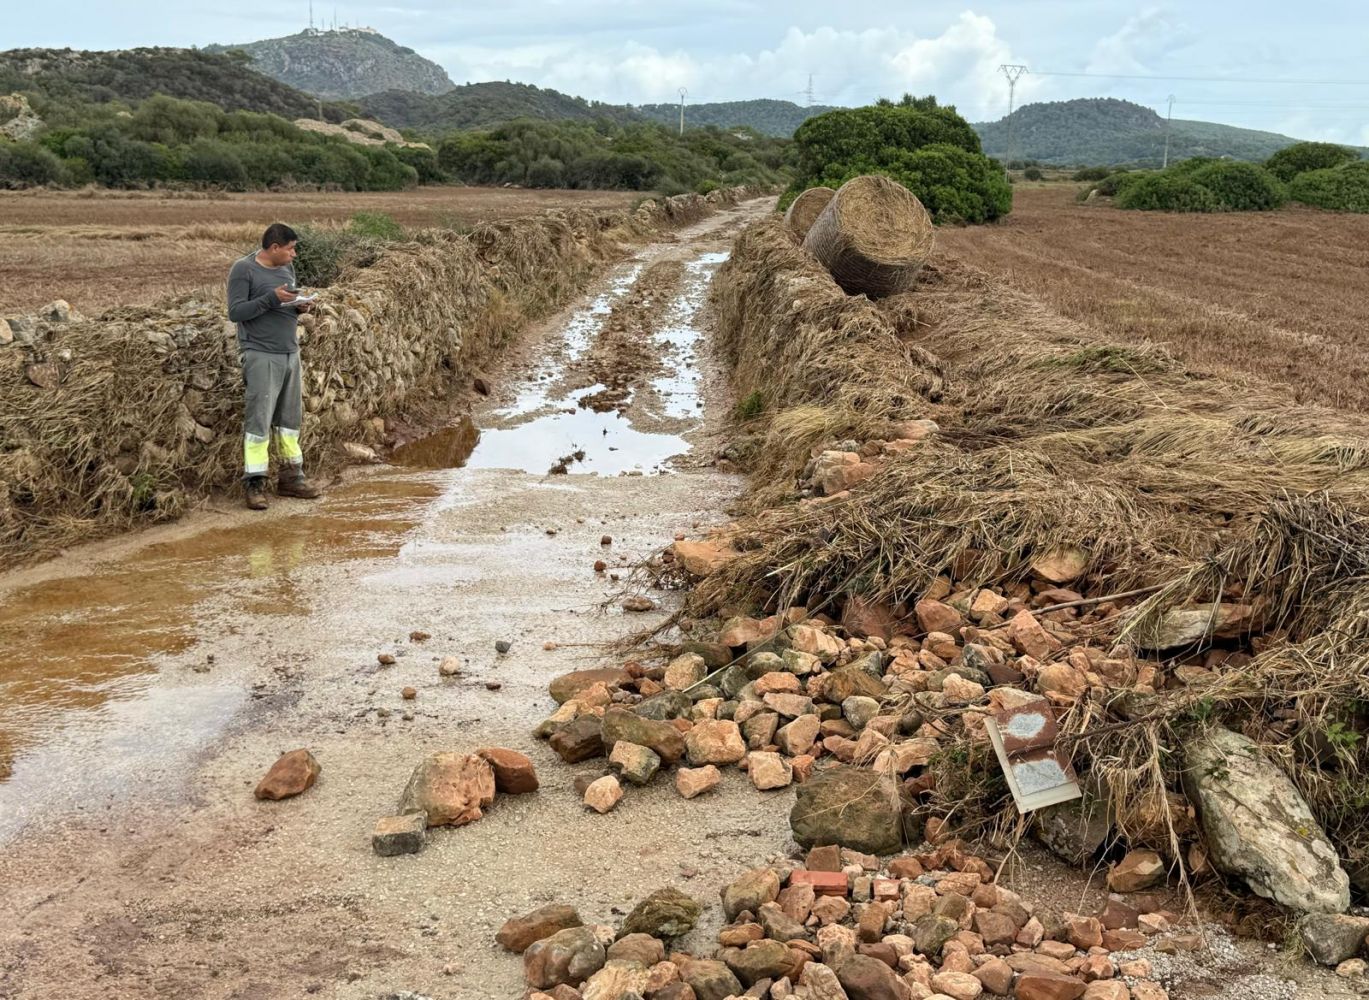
{"x": 879, "y": 717}
{"x": 843, "y": 925}
{"x": 451, "y": 789}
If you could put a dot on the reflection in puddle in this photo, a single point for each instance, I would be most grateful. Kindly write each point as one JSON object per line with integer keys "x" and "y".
{"x": 447, "y": 448}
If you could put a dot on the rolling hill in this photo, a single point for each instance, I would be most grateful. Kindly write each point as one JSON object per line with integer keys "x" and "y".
{"x": 1104, "y": 130}
{"x": 343, "y": 64}
{"x": 768, "y": 117}
{"x": 483, "y": 105}
{"x": 67, "y": 77}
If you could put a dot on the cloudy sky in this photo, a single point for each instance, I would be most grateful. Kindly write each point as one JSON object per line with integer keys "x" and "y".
{"x": 1255, "y": 63}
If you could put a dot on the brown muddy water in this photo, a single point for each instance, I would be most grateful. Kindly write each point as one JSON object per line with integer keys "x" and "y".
{"x": 87, "y": 708}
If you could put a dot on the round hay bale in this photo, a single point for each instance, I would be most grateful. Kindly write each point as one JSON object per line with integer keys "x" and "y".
{"x": 805, "y": 209}
{"x": 873, "y": 236}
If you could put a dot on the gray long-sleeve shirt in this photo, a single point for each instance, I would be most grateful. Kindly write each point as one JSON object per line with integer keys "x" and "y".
{"x": 264, "y": 322}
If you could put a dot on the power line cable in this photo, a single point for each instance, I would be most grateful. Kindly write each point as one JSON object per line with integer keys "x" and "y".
{"x": 1209, "y": 79}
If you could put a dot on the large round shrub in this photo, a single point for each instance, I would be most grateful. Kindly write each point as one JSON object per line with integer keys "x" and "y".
{"x": 955, "y": 185}
{"x": 1340, "y": 189}
{"x": 1240, "y": 187}
{"x": 1301, "y": 157}
{"x": 1165, "y": 193}
{"x": 930, "y": 150}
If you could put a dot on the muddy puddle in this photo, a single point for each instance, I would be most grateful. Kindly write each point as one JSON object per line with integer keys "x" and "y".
{"x": 552, "y": 428}
{"x": 84, "y": 711}
{"x": 86, "y": 708}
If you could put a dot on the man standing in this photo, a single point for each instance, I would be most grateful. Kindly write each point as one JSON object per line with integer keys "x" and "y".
{"x": 261, "y": 300}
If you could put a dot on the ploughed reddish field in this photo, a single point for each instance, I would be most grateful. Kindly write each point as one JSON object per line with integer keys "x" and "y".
{"x": 1283, "y": 295}
{"x": 99, "y": 249}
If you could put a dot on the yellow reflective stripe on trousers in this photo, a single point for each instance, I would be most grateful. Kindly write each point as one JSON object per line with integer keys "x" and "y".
{"x": 287, "y": 443}
{"x": 255, "y": 454}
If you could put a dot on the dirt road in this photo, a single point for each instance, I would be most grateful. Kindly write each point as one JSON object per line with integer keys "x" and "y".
{"x": 148, "y": 685}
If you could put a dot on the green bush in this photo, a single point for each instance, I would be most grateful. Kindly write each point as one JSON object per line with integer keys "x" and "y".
{"x": 1033, "y": 173}
{"x": 1115, "y": 182}
{"x": 1339, "y": 189}
{"x": 1302, "y": 157}
{"x": 1193, "y": 164}
{"x": 210, "y": 162}
{"x": 930, "y": 150}
{"x": 1091, "y": 173}
{"x": 27, "y": 164}
{"x": 424, "y": 163}
{"x": 607, "y": 156}
{"x": 1240, "y": 187}
{"x": 1165, "y": 193}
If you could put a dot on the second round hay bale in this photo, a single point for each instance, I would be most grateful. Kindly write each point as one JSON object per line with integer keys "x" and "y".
{"x": 873, "y": 236}
{"x": 805, "y": 209}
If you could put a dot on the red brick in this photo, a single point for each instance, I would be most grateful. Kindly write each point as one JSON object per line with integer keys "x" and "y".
{"x": 823, "y": 883}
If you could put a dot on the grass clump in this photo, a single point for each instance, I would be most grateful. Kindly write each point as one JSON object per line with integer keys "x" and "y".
{"x": 751, "y": 407}
{"x": 376, "y": 225}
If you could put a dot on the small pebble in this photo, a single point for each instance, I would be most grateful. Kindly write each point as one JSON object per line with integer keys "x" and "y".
{"x": 409, "y": 694}
{"x": 502, "y": 646}
{"x": 386, "y": 659}
{"x": 493, "y": 685}
{"x": 606, "y": 540}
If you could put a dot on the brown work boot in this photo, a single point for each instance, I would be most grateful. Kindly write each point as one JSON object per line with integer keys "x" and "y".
{"x": 255, "y": 491}
{"x": 295, "y": 485}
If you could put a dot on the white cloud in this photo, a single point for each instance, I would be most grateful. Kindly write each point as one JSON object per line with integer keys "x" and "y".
{"x": 960, "y": 64}
{"x": 1141, "y": 43}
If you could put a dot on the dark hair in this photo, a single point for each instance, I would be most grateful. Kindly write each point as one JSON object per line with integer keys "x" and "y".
{"x": 278, "y": 233}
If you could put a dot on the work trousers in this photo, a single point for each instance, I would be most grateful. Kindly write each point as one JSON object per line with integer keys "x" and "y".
{"x": 274, "y": 410}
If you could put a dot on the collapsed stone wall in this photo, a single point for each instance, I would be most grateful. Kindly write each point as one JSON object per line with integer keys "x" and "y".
{"x": 134, "y": 415}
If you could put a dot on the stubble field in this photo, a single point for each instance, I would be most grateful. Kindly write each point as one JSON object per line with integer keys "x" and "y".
{"x": 103, "y": 249}
{"x": 1282, "y": 296}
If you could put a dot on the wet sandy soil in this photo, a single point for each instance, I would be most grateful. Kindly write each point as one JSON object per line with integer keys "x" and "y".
{"x": 146, "y": 693}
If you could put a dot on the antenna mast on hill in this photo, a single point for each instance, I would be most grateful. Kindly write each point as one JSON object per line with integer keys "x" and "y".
{"x": 311, "y": 15}
{"x": 1012, "y": 72}
{"x": 1168, "y": 118}
{"x": 683, "y": 91}
{"x": 809, "y": 92}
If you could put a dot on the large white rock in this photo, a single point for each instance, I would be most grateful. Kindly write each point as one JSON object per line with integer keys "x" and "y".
{"x": 1259, "y": 827}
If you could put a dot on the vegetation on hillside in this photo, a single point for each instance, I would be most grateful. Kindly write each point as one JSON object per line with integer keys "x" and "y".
{"x": 1110, "y": 131}
{"x": 62, "y": 84}
{"x": 768, "y": 117}
{"x": 194, "y": 142}
{"x": 929, "y": 149}
{"x": 485, "y": 105}
{"x": 346, "y": 63}
{"x": 638, "y": 157}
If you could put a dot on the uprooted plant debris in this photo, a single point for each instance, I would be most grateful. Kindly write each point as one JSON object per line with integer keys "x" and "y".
{"x": 962, "y": 505}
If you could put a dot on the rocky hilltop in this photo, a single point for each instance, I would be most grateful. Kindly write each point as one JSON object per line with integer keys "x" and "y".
{"x": 343, "y": 64}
